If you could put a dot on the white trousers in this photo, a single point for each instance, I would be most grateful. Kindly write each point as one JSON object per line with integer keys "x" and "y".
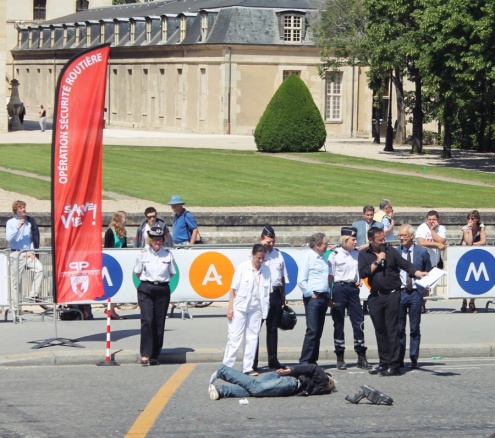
{"x": 244, "y": 326}
{"x": 18, "y": 262}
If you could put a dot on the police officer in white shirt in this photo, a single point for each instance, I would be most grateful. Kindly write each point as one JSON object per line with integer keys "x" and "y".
{"x": 345, "y": 295}
{"x": 154, "y": 267}
{"x": 275, "y": 262}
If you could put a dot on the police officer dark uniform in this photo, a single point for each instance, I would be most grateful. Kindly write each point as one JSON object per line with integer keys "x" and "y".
{"x": 278, "y": 272}
{"x": 345, "y": 295}
{"x": 154, "y": 267}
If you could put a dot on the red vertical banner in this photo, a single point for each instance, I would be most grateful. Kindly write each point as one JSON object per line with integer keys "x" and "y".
{"x": 77, "y": 147}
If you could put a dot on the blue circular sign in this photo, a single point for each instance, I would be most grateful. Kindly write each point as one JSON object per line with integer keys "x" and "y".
{"x": 292, "y": 271}
{"x": 112, "y": 277}
{"x": 475, "y": 271}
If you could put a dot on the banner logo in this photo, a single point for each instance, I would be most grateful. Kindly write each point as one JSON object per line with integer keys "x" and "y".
{"x": 475, "y": 272}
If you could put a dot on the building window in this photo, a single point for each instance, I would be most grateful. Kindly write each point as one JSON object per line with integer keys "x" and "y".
{"x": 204, "y": 26}
{"x": 102, "y": 32}
{"x": 287, "y": 73}
{"x": 133, "y": 30}
{"x": 164, "y": 28}
{"x": 202, "y": 94}
{"x": 333, "y": 97}
{"x": 116, "y": 32}
{"x": 88, "y": 34}
{"x": 78, "y": 34}
{"x": 182, "y": 29}
{"x": 148, "y": 30}
{"x": 161, "y": 93}
{"x": 180, "y": 94}
{"x": 82, "y": 5}
{"x": 30, "y": 37}
{"x": 293, "y": 27}
{"x": 39, "y": 10}
{"x": 42, "y": 34}
{"x": 64, "y": 36}
{"x": 52, "y": 36}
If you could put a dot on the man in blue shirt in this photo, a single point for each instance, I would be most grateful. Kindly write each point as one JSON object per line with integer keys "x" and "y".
{"x": 23, "y": 234}
{"x": 184, "y": 228}
{"x": 313, "y": 280}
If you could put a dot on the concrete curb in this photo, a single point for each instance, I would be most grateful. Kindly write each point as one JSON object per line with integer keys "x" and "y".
{"x": 186, "y": 355}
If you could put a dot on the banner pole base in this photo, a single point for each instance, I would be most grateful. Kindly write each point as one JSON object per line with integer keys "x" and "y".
{"x": 60, "y": 341}
{"x": 107, "y": 363}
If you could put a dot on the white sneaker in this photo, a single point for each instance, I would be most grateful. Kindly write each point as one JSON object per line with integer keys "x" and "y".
{"x": 252, "y": 373}
{"x": 213, "y": 392}
{"x": 213, "y": 377}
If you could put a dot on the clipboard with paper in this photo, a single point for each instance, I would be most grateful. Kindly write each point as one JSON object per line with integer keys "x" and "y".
{"x": 430, "y": 281}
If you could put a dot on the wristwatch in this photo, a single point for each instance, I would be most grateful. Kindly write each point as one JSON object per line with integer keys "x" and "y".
{"x": 376, "y": 263}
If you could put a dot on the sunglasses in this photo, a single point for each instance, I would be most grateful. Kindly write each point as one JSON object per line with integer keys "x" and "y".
{"x": 151, "y": 217}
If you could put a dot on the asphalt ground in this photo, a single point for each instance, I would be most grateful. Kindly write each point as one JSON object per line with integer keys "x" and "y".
{"x": 446, "y": 333}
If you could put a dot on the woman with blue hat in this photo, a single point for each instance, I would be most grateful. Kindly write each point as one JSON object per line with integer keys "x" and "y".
{"x": 184, "y": 228}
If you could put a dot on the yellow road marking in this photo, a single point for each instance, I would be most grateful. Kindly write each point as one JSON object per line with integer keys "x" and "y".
{"x": 145, "y": 421}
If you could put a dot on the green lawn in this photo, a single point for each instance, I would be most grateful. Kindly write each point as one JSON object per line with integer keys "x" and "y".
{"x": 214, "y": 177}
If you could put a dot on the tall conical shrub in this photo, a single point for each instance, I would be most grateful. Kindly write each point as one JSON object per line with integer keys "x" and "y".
{"x": 291, "y": 121}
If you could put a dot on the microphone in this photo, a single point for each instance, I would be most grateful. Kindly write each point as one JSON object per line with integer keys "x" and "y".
{"x": 383, "y": 248}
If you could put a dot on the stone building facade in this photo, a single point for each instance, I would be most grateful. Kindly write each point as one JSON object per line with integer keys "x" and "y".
{"x": 194, "y": 65}
{"x": 18, "y": 14}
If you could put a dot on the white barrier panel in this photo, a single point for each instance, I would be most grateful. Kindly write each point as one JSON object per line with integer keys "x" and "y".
{"x": 471, "y": 272}
{"x": 4, "y": 280}
{"x": 202, "y": 274}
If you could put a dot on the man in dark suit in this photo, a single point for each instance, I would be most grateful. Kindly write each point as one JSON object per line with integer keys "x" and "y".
{"x": 411, "y": 295}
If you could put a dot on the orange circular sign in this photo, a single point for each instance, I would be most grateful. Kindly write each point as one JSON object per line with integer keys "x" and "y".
{"x": 211, "y": 275}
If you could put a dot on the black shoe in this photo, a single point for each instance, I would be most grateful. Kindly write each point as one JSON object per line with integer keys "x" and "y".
{"x": 154, "y": 362}
{"x": 275, "y": 365}
{"x": 414, "y": 363}
{"x": 401, "y": 365}
{"x": 390, "y": 372}
{"x": 363, "y": 362}
{"x": 378, "y": 370}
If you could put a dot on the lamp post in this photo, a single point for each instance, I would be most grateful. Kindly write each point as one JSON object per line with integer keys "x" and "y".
{"x": 389, "y": 140}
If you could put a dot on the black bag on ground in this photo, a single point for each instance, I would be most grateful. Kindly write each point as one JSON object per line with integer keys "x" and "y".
{"x": 73, "y": 312}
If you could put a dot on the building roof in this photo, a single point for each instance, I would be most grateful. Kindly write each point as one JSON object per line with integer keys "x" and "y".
{"x": 255, "y": 22}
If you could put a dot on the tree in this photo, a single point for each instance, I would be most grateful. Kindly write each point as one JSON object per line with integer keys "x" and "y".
{"x": 291, "y": 121}
{"x": 394, "y": 41}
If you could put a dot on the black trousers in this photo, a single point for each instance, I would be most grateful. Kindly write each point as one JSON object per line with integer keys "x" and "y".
{"x": 153, "y": 301}
{"x": 346, "y": 296}
{"x": 272, "y": 321}
{"x": 384, "y": 313}
{"x": 315, "y": 310}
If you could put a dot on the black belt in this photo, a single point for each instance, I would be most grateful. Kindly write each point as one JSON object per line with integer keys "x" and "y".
{"x": 408, "y": 291}
{"x": 347, "y": 283}
{"x": 384, "y": 292}
{"x": 321, "y": 293}
{"x": 16, "y": 249}
{"x": 155, "y": 283}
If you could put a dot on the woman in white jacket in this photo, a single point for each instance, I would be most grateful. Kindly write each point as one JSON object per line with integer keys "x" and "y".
{"x": 248, "y": 304}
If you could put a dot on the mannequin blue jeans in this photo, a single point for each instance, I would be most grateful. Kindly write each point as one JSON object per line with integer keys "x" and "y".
{"x": 268, "y": 385}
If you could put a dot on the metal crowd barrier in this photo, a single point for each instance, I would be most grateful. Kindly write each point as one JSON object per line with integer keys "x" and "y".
{"x": 19, "y": 297}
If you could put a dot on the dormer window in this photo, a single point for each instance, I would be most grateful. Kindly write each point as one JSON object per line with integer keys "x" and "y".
{"x": 78, "y": 33}
{"x": 293, "y": 28}
{"x": 64, "y": 35}
{"x": 88, "y": 34}
{"x": 148, "y": 30}
{"x": 52, "y": 36}
{"x": 116, "y": 32}
{"x": 182, "y": 29}
{"x": 30, "y": 37}
{"x": 164, "y": 28}
{"x": 41, "y": 37}
{"x": 133, "y": 30}
{"x": 102, "y": 32}
{"x": 204, "y": 26}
